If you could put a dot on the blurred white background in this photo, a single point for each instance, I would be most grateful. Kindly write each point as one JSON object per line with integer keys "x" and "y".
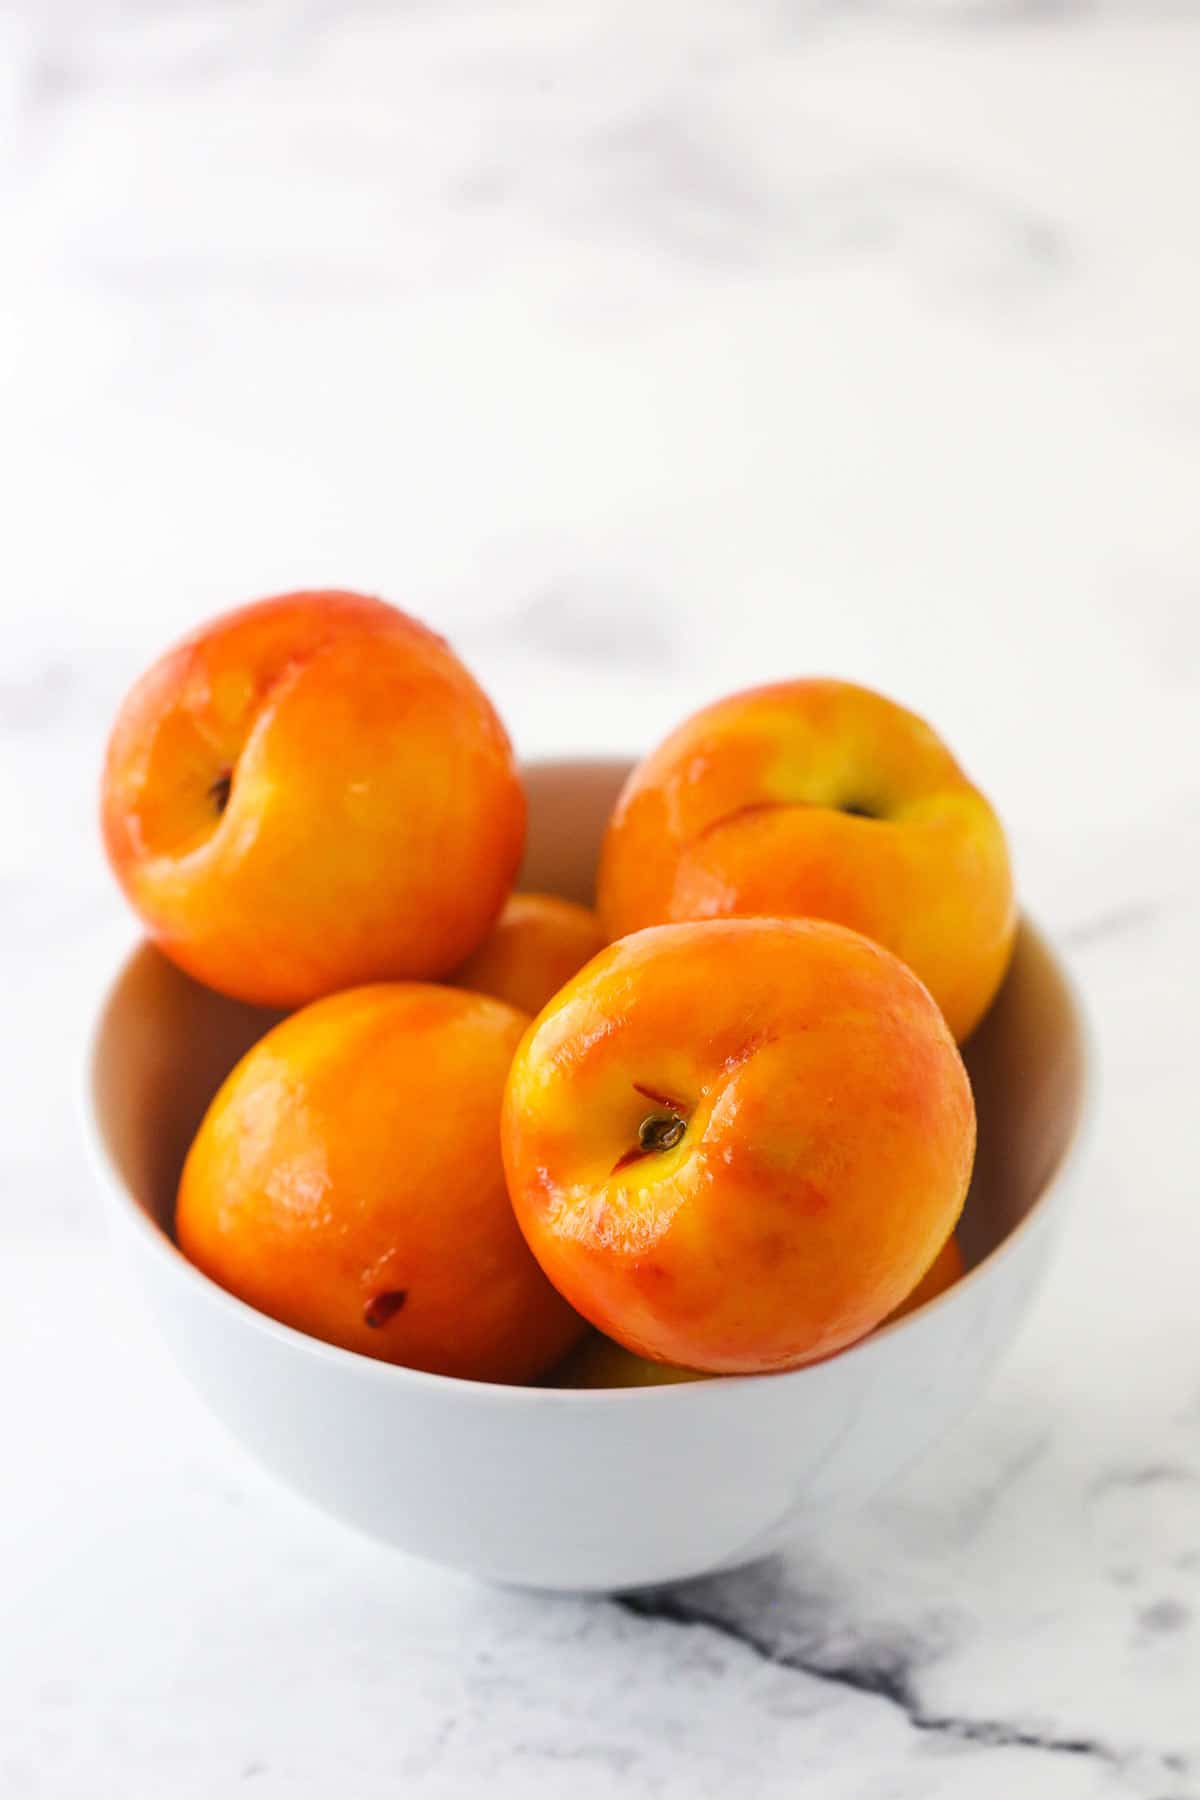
{"x": 647, "y": 348}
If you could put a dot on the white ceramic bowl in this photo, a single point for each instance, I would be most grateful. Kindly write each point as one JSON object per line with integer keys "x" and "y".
{"x": 569, "y": 1489}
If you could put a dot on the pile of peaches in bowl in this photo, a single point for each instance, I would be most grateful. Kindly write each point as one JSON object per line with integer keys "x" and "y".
{"x": 587, "y": 1175}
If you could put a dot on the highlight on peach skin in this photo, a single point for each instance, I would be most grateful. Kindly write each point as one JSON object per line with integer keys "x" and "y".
{"x": 819, "y": 799}
{"x": 738, "y": 1144}
{"x": 347, "y": 1181}
{"x": 309, "y": 793}
{"x": 598, "y": 1362}
{"x": 537, "y": 944}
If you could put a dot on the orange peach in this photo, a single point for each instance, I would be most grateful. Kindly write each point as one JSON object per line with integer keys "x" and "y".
{"x": 823, "y": 800}
{"x": 738, "y": 1144}
{"x": 537, "y": 944}
{"x": 597, "y": 1362}
{"x": 309, "y": 793}
{"x": 946, "y": 1268}
{"x": 347, "y": 1181}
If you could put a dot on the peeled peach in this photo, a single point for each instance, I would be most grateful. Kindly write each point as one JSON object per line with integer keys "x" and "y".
{"x": 537, "y": 944}
{"x": 347, "y": 1181}
{"x": 823, "y": 800}
{"x": 310, "y": 793}
{"x": 738, "y": 1144}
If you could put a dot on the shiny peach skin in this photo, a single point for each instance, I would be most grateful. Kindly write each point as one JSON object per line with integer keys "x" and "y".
{"x": 754, "y": 807}
{"x": 828, "y": 1145}
{"x": 536, "y": 945}
{"x": 597, "y": 1362}
{"x": 347, "y": 1181}
{"x": 374, "y": 819}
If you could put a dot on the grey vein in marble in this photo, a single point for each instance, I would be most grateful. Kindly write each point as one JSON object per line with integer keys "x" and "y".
{"x": 739, "y": 1607}
{"x": 1119, "y": 921}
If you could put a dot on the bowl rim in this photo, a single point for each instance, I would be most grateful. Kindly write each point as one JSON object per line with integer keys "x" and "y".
{"x": 158, "y": 1243}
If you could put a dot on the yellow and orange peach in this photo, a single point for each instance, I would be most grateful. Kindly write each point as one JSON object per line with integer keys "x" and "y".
{"x": 824, "y": 800}
{"x": 738, "y": 1144}
{"x": 309, "y": 793}
{"x": 598, "y": 1362}
{"x": 347, "y": 1181}
{"x": 536, "y": 945}
{"x": 947, "y": 1267}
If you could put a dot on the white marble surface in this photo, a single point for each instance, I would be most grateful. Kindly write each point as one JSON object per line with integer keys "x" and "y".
{"x": 649, "y": 349}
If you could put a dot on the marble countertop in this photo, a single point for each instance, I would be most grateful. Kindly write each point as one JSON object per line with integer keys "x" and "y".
{"x": 648, "y": 350}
